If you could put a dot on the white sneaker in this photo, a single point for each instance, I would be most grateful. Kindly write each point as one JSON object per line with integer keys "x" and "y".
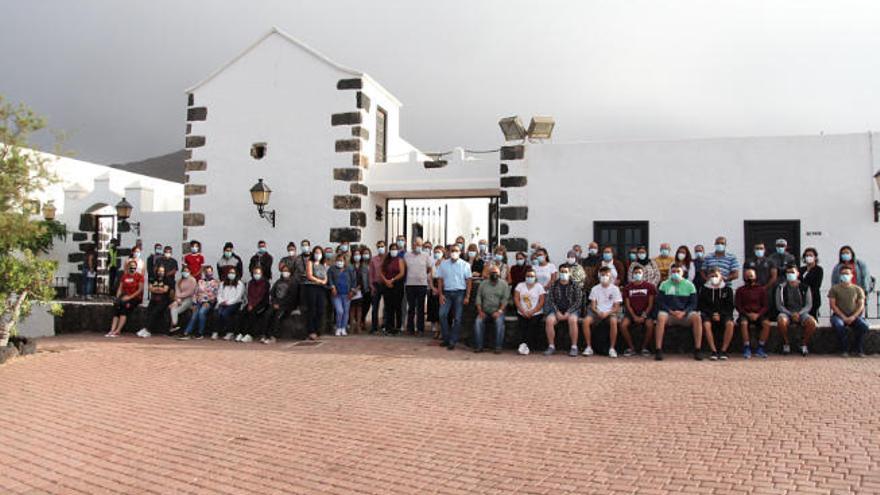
{"x": 344, "y": 332}
{"x": 646, "y": 352}
{"x": 238, "y": 337}
{"x": 270, "y": 340}
{"x": 246, "y": 339}
{"x": 142, "y": 332}
{"x": 215, "y": 336}
{"x": 229, "y": 336}
{"x": 588, "y": 351}
{"x": 612, "y": 353}
{"x": 523, "y": 349}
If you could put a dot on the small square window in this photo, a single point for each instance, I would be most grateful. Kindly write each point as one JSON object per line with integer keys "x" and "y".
{"x": 258, "y": 151}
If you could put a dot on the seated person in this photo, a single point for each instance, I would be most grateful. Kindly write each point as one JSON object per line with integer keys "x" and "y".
{"x": 716, "y": 308}
{"x": 528, "y": 297}
{"x": 751, "y": 304}
{"x": 639, "y": 302}
{"x": 794, "y": 301}
{"x": 564, "y": 301}
{"x": 847, "y": 306}
{"x": 678, "y": 307}
{"x": 128, "y": 296}
{"x": 492, "y": 297}
{"x": 604, "y": 305}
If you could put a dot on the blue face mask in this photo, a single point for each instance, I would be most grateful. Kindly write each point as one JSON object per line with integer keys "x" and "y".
{"x": 719, "y": 248}
{"x": 664, "y": 252}
{"x": 261, "y": 250}
{"x": 780, "y": 250}
{"x": 791, "y": 277}
{"x": 401, "y": 243}
{"x": 632, "y": 256}
{"x": 676, "y": 276}
{"x": 699, "y": 255}
{"x": 846, "y": 257}
{"x": 344, "y": 248}
{"x": 643, "y": 256}
{"x": 607, "y": 256}
{"x": 380, "y": 250}
{"x": 499, "y": 257}
{"x": 540, "y": 258}
{"x": 227, "y": 254}
{"x": 759, "y": 253}
{"x": 356, "y": 257}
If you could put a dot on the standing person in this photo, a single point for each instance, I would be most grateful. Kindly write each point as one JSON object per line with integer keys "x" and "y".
{"x": 89, "y": 273}
{"x": 591, "y": 264}
{"x": 433, "y": 314}
{"x": 194, "y": 259}
{"x": 716, "y": 303}
{"x": 229, "y": 299}
{"x": 812, "y": 276}
{"x": 375, "y": 268}
{"x": 475, "y": 261}
{"x": 614, "y": 265}
{"x": 546, "y": 271}
{"x": 290, "y": 260}
{"x": 170, "y": 265}
{"x": 485, "y": 254}
{"x": 639, "y": 302}
{"x": 564, "y": 302}
{"x": 393, "y": 272}
{"x": 281, "y": 304}
{"x": 298, "y": 275}
{"x": 631, "y": 257}
{"x": 184, "y": 292}
{"x": 128, "y": 296}
{"x": 765, "y": 270}
{"x": 160, "y": 298}
{"x": 228, "y": 261}
{"x": 578, "y": 275}
{"x": 315, "y": 291}
{"x": 683, "y": 258}
{"x": 781, "y": 258}
{"x": 254, "y": 310}
{"x": 650, "y": 272}
{"x": 605, "y": 301}
{"x": 664, "y": 261}
{"x": 152, "y": 262}
{"x": 677, "y": 305}
{"x": 491, "y": 301}
{"x": 205, "y": 298}
{"x": 727, "y": 264}
{"x": 362, "y": 275}
{"x": 519, "y": 269}
{"x": 342, "y": 280}
{"x": 794, "y": 300}
{"x": 699, "y": 256}
{"x": 113, "y": 264}
{"x": 528, "y": 297}
{"x": 498, "y": 259}
{"x": 751, "y": 304}
{"x": 455, "y": 283}
{"x": 847, "y": 302}
{"x": 858, "y": 268}
{"x": 263, "y": 259}
{"x": 418, "y": 266}
{"x": 137, "y": 257}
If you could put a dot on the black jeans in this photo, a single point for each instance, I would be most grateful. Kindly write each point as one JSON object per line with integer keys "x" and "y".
{"x": 415, "y": 307}
{"x": 393, "y": 298}
{"x": 156, "y": 316}
{"x": 377, "y": 298}
{"x": 316, "y": 297}
{"x": 273, "y": 319}
{"x": 252, "y": 321}
{"x": 530, "y": 330}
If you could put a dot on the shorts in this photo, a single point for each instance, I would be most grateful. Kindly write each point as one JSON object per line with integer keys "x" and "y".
{"x": 708, "y": 318}
{"x": 124, "y": 308}
{"x": 800, "y": 322}
{"x": 650, "y": 316}
{"x": 576, "y": 313}
{"x": 742, "y": 318}
{"x": 592, "y": 314}
{"x": 672, "y": 321}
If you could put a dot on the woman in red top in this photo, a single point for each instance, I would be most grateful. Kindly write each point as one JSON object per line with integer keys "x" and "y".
{"x": 128, "y": 296}
{"x": 194, "y": 259}
{"x": 393, "y": 271}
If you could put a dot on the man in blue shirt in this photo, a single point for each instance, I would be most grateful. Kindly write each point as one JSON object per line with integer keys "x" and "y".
{"x": 726, "y": 263}
{"x": 454, "y": 280}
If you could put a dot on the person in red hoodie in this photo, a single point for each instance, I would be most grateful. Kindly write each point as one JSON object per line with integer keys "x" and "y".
{"x": 751, "y": 304}
{"x": 194, "y": 259}
{"x": 256, "y": 306}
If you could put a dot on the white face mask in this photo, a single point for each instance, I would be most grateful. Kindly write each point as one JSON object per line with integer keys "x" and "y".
{"x": 572, "y": 261}
{"x": 809, "y": 259}
{"x": 184, "y": 274}
{"x": 716, "y": 280}
{"x": 605, "y": 279}
{"x": 318, "y": 256}
{"x": 472, "y": 254}
{"x": 564, "y": 276}
{"x": 394, "y": 253}
{"x": 285, "y": 274}
{"x": 258, "y": 276}
{"x": 846, "y": 278}
{"x": 680, "y": 256}
{"x": 340, "y": 264}
{"x": 356, "y": 257}
{"x": 292, "y": 253}
{"x": 454, "y": 255}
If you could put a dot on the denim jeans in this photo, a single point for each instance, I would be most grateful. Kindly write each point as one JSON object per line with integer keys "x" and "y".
{"x": 342, "y": 305}
{"x": 415, "y": 307}
{"x": 859, "y": 327}
{"x": 454, "y": 302}
{"x": 200, "y": 316}
{"x": 88, "y": 284}
{"x": 227, "y": 316}
{"x": 480, "y": 323}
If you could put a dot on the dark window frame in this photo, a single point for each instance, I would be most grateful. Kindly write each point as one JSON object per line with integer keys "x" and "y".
{"x": 381, "y": 136}
{"x": 620, "y": 248}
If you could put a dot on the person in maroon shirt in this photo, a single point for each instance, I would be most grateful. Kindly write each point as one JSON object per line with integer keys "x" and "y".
{"x": 518, "y": 270}
{"x": 257, "y": 304}
{"x": 638, "y": 300}
{"x": 752, "y": 305}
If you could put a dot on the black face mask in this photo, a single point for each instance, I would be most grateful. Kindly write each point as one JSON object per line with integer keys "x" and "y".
{"x": 750, "y": 281}
{"x": 493, "y": 277}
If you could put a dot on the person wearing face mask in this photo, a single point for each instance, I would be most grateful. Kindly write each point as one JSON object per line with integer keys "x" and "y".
{"x": 699, "y": 256}
{"x": 519, "y": 269}
{"x": 751, "y": 304}
{"x": 491, "y": 301}
{"x": 860, "y": 274}
{"x": 128, "y": 297}
{"x": 229, "y": 299}
{"x": 169, "y": 264}
{"x": 433, "y": 313}
{"x": 812, "y": 276}
{"x": 604, "y": 305}
{"x": 263, "y": 259}
{"x": 375, "y": 267}
{"x": 254, "y": 310}
{"x": 228, "y": 261}
{"x": 342, "y": 280}
{"x": 578, "y": 251}
{"x": 847, "y": 302}
{"x": 546, "y": 271}
{"x": 639, "y": 298}
{"x": 578, "y": 275}
{"x": 721, "y": 259}
{"x": 153, "y": 262}
{"x": 528, "y": 297}
{"x": 112, "y": 265}
{"x": 315, "y": 291}
{"x": 716, "y": 303}
{"x": 473, "y": 257}
{"x": 298, "y": 275}
{"x": 613, "y": 264}
{"x": 498, "y": 260}
{"x": 290, "y": 260}
{"x": 632, "y": 256}
{"x": 137, "y": 256}
{"x": 204, "y": 300}
{"x": 194, "y": 260}
{"x": 401, "y": 245}
{"x": 591, "y": 264}
{"x": 366, "y": 288}
{"x": 664, "y": 261}
{"x": 765, "y": 270}
{"x": 683, "y": 258}
{"x": 650, "y": 272}
{"x": 454, "y": 284}
{"x": 794, "y": 301}
{"x": 781, "y": 258}
{"x": 361, "y": 272}
{"x": 563, "y": 304}
{"x": 418, "y": 267}
{"x": 280, "y": 305}
{"x": 183, "y": 297}
{"x": 160, "y": 297}
{"x": 677, "y": 306}
{"x": 392, "y": 274}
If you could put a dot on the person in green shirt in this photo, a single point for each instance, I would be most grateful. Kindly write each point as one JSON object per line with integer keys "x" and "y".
{"x": 492, "y": 297}
{"x": 847, "y": 307}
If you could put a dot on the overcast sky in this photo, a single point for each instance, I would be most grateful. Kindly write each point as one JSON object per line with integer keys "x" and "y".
{"x": 112, "y": 73}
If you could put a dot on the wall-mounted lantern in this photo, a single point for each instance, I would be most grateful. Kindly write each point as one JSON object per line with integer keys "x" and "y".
{"x": 260, "y": 195}
{"x": 49, "y": 211}
{"x": 123, "y": 212}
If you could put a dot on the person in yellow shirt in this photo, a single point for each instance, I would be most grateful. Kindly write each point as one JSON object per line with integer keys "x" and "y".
{"x": 665, "y": 260}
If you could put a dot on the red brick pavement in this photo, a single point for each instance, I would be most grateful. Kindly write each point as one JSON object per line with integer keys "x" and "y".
{"x": 378, "y": 416}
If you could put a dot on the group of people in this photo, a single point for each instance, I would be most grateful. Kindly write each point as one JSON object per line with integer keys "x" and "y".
{"x": 419, "y": 283}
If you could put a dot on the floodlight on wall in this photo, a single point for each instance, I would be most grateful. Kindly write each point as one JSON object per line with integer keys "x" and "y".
{"x": 49, "y": 211}
{"x": 260, "y": 196}
{"x": 541, "y": 127}
{"x": 513, "y": 129}
{"x": 123, "y": 213}
{"x": 877, "y": 203}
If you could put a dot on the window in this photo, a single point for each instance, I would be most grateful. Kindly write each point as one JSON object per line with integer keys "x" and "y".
{"x": 621, "y": 235}
{"x": 381, "y": 134}
{"x": 767, "y": 231}
{"x": 258, "y": 151}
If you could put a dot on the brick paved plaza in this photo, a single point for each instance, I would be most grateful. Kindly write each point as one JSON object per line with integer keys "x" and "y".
{"x": 396, "y": 415}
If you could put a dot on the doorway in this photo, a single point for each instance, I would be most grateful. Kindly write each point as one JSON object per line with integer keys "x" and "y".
{"x": 767, "y": 231}
{"x": 622, "y": 236}
{"x": 440, "y": 221}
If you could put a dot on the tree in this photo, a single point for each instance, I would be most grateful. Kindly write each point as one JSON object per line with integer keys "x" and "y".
{"x": 25, "y": 279}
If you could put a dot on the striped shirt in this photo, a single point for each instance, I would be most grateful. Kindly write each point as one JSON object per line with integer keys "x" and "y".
{"x": 725, "y": 264}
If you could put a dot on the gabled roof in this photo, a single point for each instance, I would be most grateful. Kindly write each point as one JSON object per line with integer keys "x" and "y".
{"x": 311, "y": 51}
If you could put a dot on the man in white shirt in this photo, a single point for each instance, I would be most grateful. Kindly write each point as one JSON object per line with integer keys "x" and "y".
{"x": 418, "y": 265}
{"x": 605, "y": 304}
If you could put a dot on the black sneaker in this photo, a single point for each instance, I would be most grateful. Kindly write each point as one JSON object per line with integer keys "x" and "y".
{"x": 722, "y": 355}
{"x": 698, "y": 355}
{"x": 658, "y": 356}
{"x": 450, "y": 347}
{"x": 497, "y": 351}
{"x": 478, "y": 350}
{"x": 713, "y": 356}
